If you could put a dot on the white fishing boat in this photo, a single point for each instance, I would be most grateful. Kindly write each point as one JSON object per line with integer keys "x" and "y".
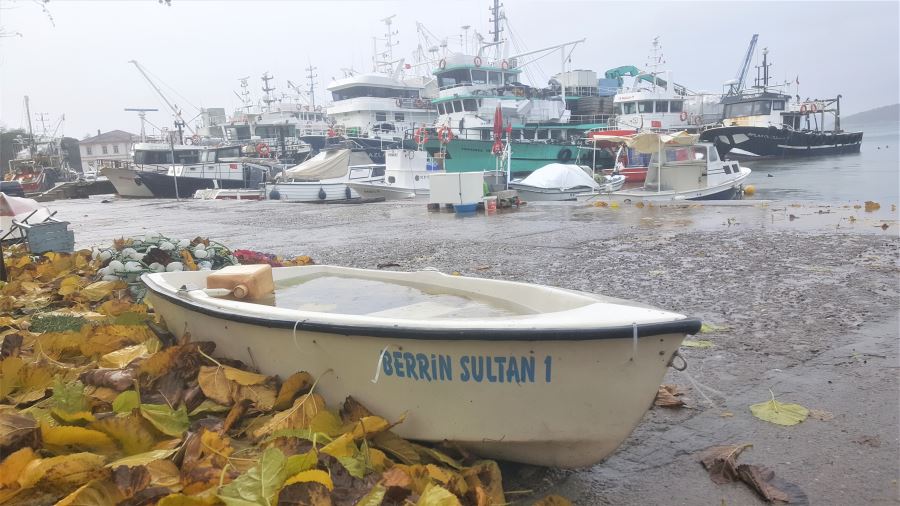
{"x": 406, "y": 176}
{"x": 124, "y": 178}
{"x": 509, "y": 370}
{"x": 558, "y": 182}
{"x": 681, "y": 168}
{"x": 324, "y": 177}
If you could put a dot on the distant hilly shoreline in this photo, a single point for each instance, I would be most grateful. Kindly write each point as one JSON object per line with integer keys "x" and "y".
{"x": 876, "y": 115}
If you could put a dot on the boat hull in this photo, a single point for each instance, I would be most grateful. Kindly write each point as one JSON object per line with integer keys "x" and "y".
{"x": 778, "y": 142}
{"x": 470, "y": 155}
{"x": 309, "y": 192}
{"x": 571, "y": 405}
{"x": 126, "y": 182}
{"x": 387, "y": 192}
{"x": 534, "y": 194}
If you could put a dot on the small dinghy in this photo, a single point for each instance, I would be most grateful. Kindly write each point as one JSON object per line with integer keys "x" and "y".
{"x": 559, "y": 181}
{"x": 513, "y": 371}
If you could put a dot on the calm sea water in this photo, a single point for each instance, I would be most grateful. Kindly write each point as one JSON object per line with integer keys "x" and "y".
{"x": 873, "y": 174}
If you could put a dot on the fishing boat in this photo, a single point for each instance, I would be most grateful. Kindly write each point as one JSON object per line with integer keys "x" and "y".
{"x": 649, "y": 100}
{"x": 381, "y": 105}
{"x": 680, "y": 169}
{"x": 508, "y": 370}
{"x": 123, "y": 176}
{"x": 324, "y": 177}
{"x": 180, "y": 170}
{"x": 545, "y": 122}
{"x": 406, "y": 176}
{"x": 766, "y": 121}
{"x": 559, "y": 182}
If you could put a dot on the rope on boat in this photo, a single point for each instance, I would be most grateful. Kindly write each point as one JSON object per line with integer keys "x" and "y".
{"x": 294, "y": 334}
{"x": 378, "y": 365}
{"x": 634, "y": 341}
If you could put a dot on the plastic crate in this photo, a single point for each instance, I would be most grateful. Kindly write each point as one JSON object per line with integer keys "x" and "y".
{"x": 50, "y": 235}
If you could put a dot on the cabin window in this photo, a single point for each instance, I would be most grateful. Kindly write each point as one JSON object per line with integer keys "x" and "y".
{"x": 528, "y": 134}
{"x": 727, "y": 169}
{"x": 485, "y": 135}
{"x": 662, "y": 106}
{"x": 457, "y": 106}
{"x": 380, "y": 116}
{"x": 208, "y": 156}
{"x": 232, "y": 152}
{"x": 88, "y": 150}
{"x": 495, "y": 78}
{"x": 510, "y": 78}
{"x": 676, "y": 106}
{"x": 454, "y": 78}
{"x": 778, "y": 105}
{"x": 629, "y": 107}
{"x": 618, "y": 108}
{"x": 398, "y": 116}
{"x": 470, "y": 105}
{"x": 645, "y": 106}
{"x": 762, "y": 108}
{"x": 479, "y": 77}
{"x": 713, "y": 155}
{"x": 440, "y": 108}
{"x": 542, "y": 134}
{"x": 556, "y": 134}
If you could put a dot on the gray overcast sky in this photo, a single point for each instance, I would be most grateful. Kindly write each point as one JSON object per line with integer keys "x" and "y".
{"x": 201, "y": 47}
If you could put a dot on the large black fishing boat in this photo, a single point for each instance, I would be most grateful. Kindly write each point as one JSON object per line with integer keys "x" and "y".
{"x": 766, "y": 122}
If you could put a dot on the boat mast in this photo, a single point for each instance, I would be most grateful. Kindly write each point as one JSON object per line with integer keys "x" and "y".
{"x": 266, "y": 77}
{"x": 763, "y": 81}
{"x": 30, "y": 131}
{"x": 311, "y": 75}
{"x": 159, "y": 92}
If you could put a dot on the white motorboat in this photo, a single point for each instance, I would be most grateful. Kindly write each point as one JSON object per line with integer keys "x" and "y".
{"x": 124, "y": 178}
{"x": 406, "y": 175}
{"x": 323, "y": 178}
{"x": 509, "y": 370}
{"x": 682, "y": 169}
{"x": 558, "y": 181}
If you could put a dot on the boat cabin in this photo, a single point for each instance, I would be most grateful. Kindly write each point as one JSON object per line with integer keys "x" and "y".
{"x": 685, "y": 168}
{"x": 759, "y": 110}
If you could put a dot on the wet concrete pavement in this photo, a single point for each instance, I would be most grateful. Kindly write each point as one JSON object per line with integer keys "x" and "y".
{"x": 807, "y": 308}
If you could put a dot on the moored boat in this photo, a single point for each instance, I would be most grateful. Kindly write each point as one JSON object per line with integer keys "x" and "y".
{"x": 324, "y": 177}
{"x": 406, "y": 175}
{"x": 681, "y": 168}
{"x": 558, "y": 182}
{"x": 509, "y": 370}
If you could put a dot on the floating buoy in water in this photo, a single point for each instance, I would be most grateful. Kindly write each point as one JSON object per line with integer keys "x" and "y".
{"x": 749, "y": 190}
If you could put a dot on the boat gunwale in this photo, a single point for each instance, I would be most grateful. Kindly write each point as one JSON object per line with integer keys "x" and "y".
{"x": 640, "y": 330}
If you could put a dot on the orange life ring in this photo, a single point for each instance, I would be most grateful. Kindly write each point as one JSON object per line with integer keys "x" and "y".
{"x": 421, "y": 136}
{"x": 477, "y": 61}
{"x": 684, "y": 115}
{"x": 262, "y": 149}
{"x": 813, "y": 108}
{"x": 803, "y": 109}
{"x": 443, "y": 64}
{"x": 504, "y": 65}
{"x": 445, "y": 135}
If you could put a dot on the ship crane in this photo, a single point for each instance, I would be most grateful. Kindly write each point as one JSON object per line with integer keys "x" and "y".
{"x": 175, "y": 110}
{"x": 737, "y": 85}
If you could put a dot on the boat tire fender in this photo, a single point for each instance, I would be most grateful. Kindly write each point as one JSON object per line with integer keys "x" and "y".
{"x": 347, "y": 193}
{"x": 684, "y": 115}
{"x": 803, "y": 109}
{"x": 275, "y": 195}
{"x": 504, "y": 65}
{"x": 477, "y": 61}
{"x": 443, "y": 64}
{"x": 322, "y": 195}
{"x": 564, "y": 155}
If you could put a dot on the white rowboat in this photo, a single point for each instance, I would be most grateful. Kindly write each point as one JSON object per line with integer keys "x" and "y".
{"x": 514, "y": 371}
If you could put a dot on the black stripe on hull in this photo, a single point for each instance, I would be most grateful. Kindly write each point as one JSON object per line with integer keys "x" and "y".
{"x": 782, "y": 143}
{"x": 729, "y": 194}
{"x": 684, "y": 326}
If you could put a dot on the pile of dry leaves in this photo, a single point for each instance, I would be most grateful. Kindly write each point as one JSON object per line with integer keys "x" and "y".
{"x": 100, "y": 405}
